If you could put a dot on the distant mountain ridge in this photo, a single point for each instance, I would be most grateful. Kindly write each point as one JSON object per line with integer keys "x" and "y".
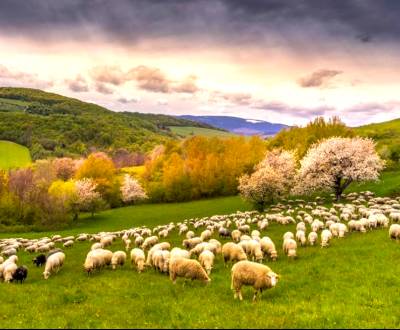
{"x": 239, "y": 125}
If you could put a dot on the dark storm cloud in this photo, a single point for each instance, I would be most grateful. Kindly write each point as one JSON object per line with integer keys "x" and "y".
{"x": 230, "y": 21}
{"x": 319, "y": 78}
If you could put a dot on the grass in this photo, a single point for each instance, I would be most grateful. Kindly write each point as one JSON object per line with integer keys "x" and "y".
{"x": 185, "y": 131}
{"x": 354, "y": 284}
{"x": 13, "y": 155}
{"x": 12, "y": 105}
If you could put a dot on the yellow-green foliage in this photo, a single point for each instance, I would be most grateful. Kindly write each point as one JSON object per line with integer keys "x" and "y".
{"x": 13, "y": 155}
{"x": 301, "y": 138}
{"x": 201, "y": 167}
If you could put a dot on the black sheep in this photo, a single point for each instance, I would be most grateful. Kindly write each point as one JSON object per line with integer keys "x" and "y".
{"x": 20, "y": 274}
{"x": 224, "y": 232}
{"x": 40, "y": 260}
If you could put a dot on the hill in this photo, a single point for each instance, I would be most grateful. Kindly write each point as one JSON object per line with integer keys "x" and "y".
{"x": 239, "y": 125}
{"x": 186, "y": 131}
{"x": 387, "y": 137}
{"x": 13, "y": 155}
{"x": 54, "y": 125}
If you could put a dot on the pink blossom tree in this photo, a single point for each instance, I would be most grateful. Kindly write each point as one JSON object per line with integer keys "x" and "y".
{"x": 131, "y": 190}
{"x": 273, "y": 177}
{"x": 87, "y": 198}
{"x": 336, "y": 162}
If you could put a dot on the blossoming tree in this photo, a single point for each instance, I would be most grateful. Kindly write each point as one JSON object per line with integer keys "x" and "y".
{"x": 273, "y": 177}
{"x": 336, "y": 162}
{"x": 131, "y": 190}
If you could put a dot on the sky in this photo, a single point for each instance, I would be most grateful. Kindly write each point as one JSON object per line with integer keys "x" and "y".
{"x": 274, "y": 60}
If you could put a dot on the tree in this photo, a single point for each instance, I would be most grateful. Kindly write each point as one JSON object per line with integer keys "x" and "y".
{"x": 88, "y": 199}
{"x": 273, "y": 177}
{"x": 131, "y": 190}
{"x": 65, "y": 167}
{"x": 336, "y": 162}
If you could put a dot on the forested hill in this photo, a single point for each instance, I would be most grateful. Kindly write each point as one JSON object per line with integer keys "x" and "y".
{"x": 54, "y": 125}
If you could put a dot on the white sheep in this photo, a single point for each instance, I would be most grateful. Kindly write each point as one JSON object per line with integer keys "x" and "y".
{"x": 188, "y": 268}
{"x": 290, "y": 247}
{"x": 206, "y": 259}
{"x": 312, "y": 238}
{"x": 138, "y": 258}
{"x": 301, "y": 237}
{"x": 394, "y": 231}
{"x": 53, "y": 264}
{"x": 118, "y": 259}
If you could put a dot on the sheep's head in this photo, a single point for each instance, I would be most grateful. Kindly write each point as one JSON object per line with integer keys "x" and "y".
{"x": 273, "y": 278}
{"x": 46, "y": 275}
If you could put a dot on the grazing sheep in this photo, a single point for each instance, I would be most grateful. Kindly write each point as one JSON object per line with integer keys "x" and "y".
{"x": 326, "y": 236}
{"x": 188, "y": 268}
{"x": 287, "y": 235}
{"x": 139, "y": 241}
{"x": 118, "y": 259}
{"x": 224, "y": 232}
{"x": 255, "y": 251}
{"x": 190, "y": 243}
{"x": 138, "y": 258}
{"x": 206, "y": 259}
{"x": 39, "y": 260}
{"x": 268, "y": 247}
{"x": 179, "y": 253}
{"x": 149, "y": 242}
{"x": 97, "y": 259}
{"x": 259, "y": 276}
{"x": 216, "y": 244}
{"x": 160, "y": 260}
{"x": 205, "y": 235}
{"x": 301, "y": 226}
{"x": 9, "y": 271}
{"x": 394, "y": 231}
{"x": 53, "y": 264}
{"x": 301, "y": 237}
{"x": 290, "y": 247}
{"x": 96, "y": 246}
{"x": 312, "y": 238}
{"x": 159, "y": 246}
{"x": 233, "y": 252}
{"x": 128, "y": 243}
{"x": 236, "y": 235}
{"x": 9, "y": 252}
{"x": 342, "y": 229}
{"x": 68, "y": 244}
{"x": 190, "y": 234}
{"x": 106, "y": 241}
{"x": 20, "y": 274}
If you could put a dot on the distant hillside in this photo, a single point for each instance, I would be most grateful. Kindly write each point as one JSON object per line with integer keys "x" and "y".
{"x": 387, "y": 137}
{"x": 186, "y": 131}
{"x": 239, "y": 125}
{"x": 54, "y": 125}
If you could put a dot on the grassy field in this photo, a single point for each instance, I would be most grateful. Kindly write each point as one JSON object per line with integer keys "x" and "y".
{"x": 354, "y": 283}
{"x": 185, "y": 131}
{"x": 13, "y": 155}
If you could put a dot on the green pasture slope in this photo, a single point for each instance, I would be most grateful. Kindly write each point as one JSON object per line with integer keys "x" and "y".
{"x": 13, "y": 155}
{"x": 185, "y": 131}
{"x": 353, "y": 283}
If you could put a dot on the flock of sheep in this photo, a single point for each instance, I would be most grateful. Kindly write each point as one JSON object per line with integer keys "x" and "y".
{"x": 246, "y": 248}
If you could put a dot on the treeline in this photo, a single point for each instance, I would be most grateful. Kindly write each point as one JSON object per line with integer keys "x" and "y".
{"x": 200, "y": 167}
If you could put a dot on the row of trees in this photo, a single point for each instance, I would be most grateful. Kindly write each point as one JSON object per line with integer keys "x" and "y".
{"x": 332, "y": 164}
{"x": 52, "y": 193}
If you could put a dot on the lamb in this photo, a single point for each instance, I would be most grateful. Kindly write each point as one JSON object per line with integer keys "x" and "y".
{"x": 259, "y": 276}
{"x": 312, "y": 238}
{"x": 53, "y": 264}
{"x": 188, "y": 268}
{"x": 205, "y": 235}
{"x": 206, "y": 259}
{"x": 394, "y": 231}
{"x": 20, "y": 274}
{"x": 268, "y": 247}
{"x": 68, "y": 244}
{"x": 289, "y": 247}
{"x": 326, "y": 236}
{"x": 138, "y": 258}
{"x": 301, "y": 237}
{"x": 39, "y": 260}
{"x": 118, "y": 259}
{"x": 255, "y": 251}
{"x": 233, "y": 252}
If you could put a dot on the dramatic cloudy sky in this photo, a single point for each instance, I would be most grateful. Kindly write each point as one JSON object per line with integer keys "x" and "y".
{"x": 281, "y": 61}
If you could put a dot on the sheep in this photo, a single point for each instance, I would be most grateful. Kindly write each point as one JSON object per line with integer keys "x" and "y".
{"x": 39, "y": 260}
{"x": 206, "y": 259}
{"x": 301, "y": 237}
{"x": 288, "y": 235}
{"x": 395, "y": 216}
{"x": 9, "y": 271}
{"x": 259, "y": 276}
{"x": 20, "y": 274}
{"x": 268, "y": 247}
{"x": 394, "y": 231}
{"x": 96, "y": 246}
{"x": 245, "y": 229}
{"x": 10, "y": 252}
{"x": 106, "y": 241}
{"x": 205, "y": 235}
{"x": 233, "y": 252}
{"x": 96, "y": 259}
{"x": 159, "y": 246}
{"x": 138, "y": 258}
{"x": 301, "y": 226}
{"x": 190, "y": 234}
{"x": 179, "y": 253}
{"x": 68, "y": 244}
{"x": 312, "y": 238}
{"x": 190, "y": 243}
{"x": 254, "y": 234}
{"x": 11, "y": 260}
{"x": 236, "y": 235}
{"x": 224, "y": 232}
{"x": 53, "y": 264}
{"x": 188, "y": 268}
{"x": 118, "y": 259}
{"x": 289, "y": 247}
{"x": 149, "y": 242}
{"x": 160, "y": 260}
{"x": 326, "y": 236}
{"x": 128, "y": 243}
{"x": 139, "y": 241}
{"x": 342, "y": 229}
{"x": 217, "y": 245}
